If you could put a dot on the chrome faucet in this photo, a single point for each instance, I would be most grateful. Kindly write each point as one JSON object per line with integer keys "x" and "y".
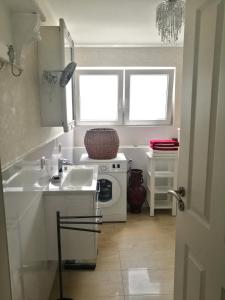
{"x": 62, "y": 162}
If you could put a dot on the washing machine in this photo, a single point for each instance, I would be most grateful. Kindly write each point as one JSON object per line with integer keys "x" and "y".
{"x": 112, "y": 182}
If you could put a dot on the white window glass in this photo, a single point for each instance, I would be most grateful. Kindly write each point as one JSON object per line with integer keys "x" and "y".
{"x": 148, "y": 97}
{"x": 124, "y": 96}
{"x": 98, "y": 97}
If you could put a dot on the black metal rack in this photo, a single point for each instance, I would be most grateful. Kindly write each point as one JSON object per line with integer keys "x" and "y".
{"x": 62, "y": 223}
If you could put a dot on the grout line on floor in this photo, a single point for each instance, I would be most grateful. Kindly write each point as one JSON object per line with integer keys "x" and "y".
{"x": 121, "y": 271}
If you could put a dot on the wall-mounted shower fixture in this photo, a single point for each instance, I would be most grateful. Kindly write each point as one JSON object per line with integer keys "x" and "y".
{"x": 11, "y": 54}
{"x": 52, "y": 76}
{"x": 25, "y": 30}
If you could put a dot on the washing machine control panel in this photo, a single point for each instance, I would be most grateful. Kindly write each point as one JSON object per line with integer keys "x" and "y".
{"x": 112, "y": 167}
{"x": 116, "y": 166}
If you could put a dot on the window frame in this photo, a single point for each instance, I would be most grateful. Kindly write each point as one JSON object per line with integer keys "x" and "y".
{"x": 107, "y": 71}
{"x": 170, "y": 72}
{"x": 123, "y": 74}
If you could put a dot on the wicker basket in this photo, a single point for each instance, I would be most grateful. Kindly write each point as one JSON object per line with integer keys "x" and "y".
{"x": 101, "y": 143}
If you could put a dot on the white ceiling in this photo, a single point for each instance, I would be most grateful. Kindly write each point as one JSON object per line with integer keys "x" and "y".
{"x": 110, "y": 22}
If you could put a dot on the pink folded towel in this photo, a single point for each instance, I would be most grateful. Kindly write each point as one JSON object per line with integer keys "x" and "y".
{"x": 164, "y": 143}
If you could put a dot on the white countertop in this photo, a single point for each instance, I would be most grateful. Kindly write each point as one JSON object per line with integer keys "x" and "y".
{"x": 33, "y": 179}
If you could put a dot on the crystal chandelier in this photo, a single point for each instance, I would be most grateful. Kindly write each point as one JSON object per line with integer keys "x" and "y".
{"x": 169, "y": 19}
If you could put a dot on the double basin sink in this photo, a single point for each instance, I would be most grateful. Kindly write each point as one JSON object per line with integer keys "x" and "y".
{"x": 74, "y": 178}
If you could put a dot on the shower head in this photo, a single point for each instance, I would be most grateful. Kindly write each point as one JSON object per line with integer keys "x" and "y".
{"x": 67, "y": 73}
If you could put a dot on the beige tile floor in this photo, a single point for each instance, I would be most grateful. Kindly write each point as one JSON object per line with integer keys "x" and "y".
{"x": 135, "y": 262}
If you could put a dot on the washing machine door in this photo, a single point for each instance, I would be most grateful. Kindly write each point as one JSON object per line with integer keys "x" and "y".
{"x": 110, "y": 190}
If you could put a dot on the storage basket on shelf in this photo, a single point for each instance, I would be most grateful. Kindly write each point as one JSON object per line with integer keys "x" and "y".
{"x": 101, "y": 143}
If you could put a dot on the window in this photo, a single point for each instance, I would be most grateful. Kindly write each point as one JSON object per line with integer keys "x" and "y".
{"x": 99, "y": 94}
{"x": 124, "y": 96}
{"x": 148, "y": 97}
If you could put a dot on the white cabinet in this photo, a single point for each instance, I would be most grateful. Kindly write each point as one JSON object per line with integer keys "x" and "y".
{"x": 161, "y": 177}
{"x": 55, "y": 51}
{"x": 31, "y": 273}
{"x": 76, "y": 245}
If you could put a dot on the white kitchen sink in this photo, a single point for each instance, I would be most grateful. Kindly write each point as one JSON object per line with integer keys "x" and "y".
{"x": 28, "y": 178}
{"x": 80, "y": 177}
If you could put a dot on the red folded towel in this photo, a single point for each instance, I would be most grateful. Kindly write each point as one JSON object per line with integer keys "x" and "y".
{"x": 164, "y": 143}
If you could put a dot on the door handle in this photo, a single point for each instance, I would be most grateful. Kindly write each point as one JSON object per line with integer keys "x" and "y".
{"x": 178, "y": 194}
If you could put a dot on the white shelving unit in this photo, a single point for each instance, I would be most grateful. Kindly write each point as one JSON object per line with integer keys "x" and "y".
{"x": 161, "y": 177}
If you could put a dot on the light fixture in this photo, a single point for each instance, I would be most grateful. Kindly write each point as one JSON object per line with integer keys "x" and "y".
{"x": 52, "y": 76}
{"x": 169, "y": 19}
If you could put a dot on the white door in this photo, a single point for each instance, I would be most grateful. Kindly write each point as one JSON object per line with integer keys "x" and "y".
{"x": 200, "y": 245}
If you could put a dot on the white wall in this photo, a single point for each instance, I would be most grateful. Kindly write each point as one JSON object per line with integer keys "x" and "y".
{"x": 5, "y": 26}
{"x": 137, "y": 57}
{"x": 20, "y": 129}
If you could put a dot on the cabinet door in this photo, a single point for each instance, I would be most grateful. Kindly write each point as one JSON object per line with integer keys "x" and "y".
{"x": 75, "y": 244}
{"x": 67, "y": 55}
{"x": 55, "y": 51}
{"x": 27, "y": 246}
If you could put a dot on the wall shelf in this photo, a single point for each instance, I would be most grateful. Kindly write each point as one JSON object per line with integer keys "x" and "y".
{"x": 163, "y": 204}
{"x": 161, "y": 189}
{"x": 162, "y": 174}
{"x": 161, "y": 177}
